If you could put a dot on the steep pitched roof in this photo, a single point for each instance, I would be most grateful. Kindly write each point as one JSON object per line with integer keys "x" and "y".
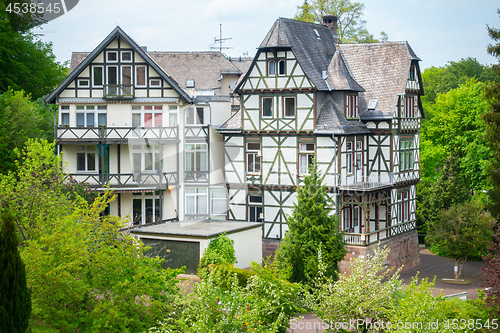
{"x": 339, "y": 77}
{"x": 312, "y": 44}
{"x": 331, "y": 120}
{"x": 382, "y": 70}
{"x": 232, "y": 125}
{"x": 203, "y": 67}
{"x": 116, "y": 33}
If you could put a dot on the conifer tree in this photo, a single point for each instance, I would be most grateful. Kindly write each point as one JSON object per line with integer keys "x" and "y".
{"x": 15, "y": 300}
{"x": 311, "y": 226}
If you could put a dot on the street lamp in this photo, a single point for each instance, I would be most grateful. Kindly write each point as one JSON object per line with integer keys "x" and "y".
{"x": 484, "y": 191}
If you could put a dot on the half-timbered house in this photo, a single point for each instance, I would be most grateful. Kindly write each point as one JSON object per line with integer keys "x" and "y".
{"x": 143, "y": 123}
{"x": 355, "y": 109}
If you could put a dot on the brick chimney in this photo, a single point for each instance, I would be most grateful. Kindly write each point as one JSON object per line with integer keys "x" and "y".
{"x": 331, "y": 21}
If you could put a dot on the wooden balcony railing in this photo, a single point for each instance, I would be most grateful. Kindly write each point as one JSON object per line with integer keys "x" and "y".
{"x": 118, "y": 91}
{"x": 375, "y": 236}
{"x": 116, "y": 133}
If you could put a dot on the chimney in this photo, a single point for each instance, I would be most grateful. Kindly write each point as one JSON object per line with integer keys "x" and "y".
{"x": 331, "y": 21}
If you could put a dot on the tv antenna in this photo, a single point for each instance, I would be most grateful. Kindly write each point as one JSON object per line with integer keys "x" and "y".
{"x": 220, "y": 41}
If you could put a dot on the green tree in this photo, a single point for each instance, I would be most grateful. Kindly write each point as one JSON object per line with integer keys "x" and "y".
{"x": 15, "y": 299}
{"x": 491, "y": 274}
{"x": 351, "y": 26}
{"x": 366, "y": 294}
{"x": 461, "y": 231}
{"x": 440, "y": 80}
{"x": 21, "y": 119}
{"x": 26, "y": 63}
{"x": 311, "y": 226}
{"x": 492, "y": 119}
{"x": 220, "y": 250}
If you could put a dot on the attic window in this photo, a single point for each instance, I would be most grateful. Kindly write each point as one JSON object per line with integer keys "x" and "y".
{"x": 126, "y": 56}
{"x": 190, "y": 83}
{"x": 317, "y": 34}
{"x": 372, "y": 105}
{"x": 112, "y": 56}
{"x": 412, "y": 72}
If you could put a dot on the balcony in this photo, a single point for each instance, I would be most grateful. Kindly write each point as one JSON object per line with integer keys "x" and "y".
{"x": 115, "y": 134}
{"x": 153, "y": 180}
{"x": 118, "y": 91}
{"x": 376, "y": 236}
{"x": 364, "y": 183}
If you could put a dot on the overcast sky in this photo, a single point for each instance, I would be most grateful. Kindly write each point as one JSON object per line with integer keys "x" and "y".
{"x": 438, "y": 30}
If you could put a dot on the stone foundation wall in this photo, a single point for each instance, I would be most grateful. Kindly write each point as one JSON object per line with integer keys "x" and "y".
{"x": 403, "y": 251}
{"x": 269, "y": 247}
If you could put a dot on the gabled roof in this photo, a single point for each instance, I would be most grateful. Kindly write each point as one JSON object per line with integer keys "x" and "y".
{"x": 205, "y": 68}
{"x": 331, "y": 120}
{"x": 232, "y": 125}
{"x": 312, "y": 44}
{"x": 116, "y": 33}
{"x": 382, "y": 70}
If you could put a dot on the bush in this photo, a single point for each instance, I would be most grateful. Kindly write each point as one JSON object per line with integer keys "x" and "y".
{"x": 220, "y": 250}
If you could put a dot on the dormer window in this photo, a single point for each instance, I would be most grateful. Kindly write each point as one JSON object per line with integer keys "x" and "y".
{"x": 281, "y": 67}
{"x": 271, "y": 68}
{"x": 190, "y": 83}
{"x": 276, "y": 67}
{"x": 351, "y": 106}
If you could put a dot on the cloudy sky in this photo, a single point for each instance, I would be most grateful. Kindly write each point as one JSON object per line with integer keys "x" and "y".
{"x": 438, "y": 30}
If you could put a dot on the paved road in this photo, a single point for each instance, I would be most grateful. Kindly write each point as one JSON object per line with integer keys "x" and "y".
{"x": 430, "y": 266}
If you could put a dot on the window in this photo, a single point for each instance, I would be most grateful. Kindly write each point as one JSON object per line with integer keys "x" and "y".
{"x": 306, "y": 157}
{"x": 196, "y": 162}
{"x": 196, "y": 201}
{"x": 112, "y": 56}
{"x": 64, "y": 116}
{"x": 351, "y": 219}
{"x": 354, "y": 156}
{"x": 289, "y": 106}
{"x": 86, "y": 158}
{"x": 145, "y": 208}
{"x": 253, "y": 156}
{"x": 126, "y": 74}
{"x": 409, "y": 106}
{"x": 267, "y": 106}
{"x": 97, "y": 76}
{"x": 145, "y": 158}
{"x": 218, "y": 202}
{"x": 281, "y": 67}
{"x": 112, "y": 75}
{"x": 195, "y": 116}
{"x": 413, "y": 72}
{"x": 271, "y": 67}
{"x": 147, "y": 116}
{"x": 403, "y": 206}
{"x": 173, "y": 115}
{"x": 91, "y": 116}
{"x": 349, "y": 156}
{"x": 190, "y": 83}
{"x": 126, "y": 56}
{"x": 406, "y": 154}
{"x": 351, "y": 106}
{"x": 83, "y": 83}
{"x": 140, "y": 76}
{"x": 255, "y": 213}
{"x": 154, "y": 83}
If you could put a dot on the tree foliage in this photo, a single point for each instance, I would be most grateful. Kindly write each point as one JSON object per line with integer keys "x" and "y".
{"x": 440, "y": 80}
{"x": 26, "y": 63}
{"x": 15, "y": 298}
{"x": 492, "y": 119}
{"x": 21, "y": 119}
{"x": 351, "y": 26}
{"x": 462, "y": 231}
{"x": 220, "y": 250}
{"x": 311, "y": 226}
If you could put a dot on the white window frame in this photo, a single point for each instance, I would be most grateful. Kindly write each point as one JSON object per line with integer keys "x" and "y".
{"x": 156, "y": 112}
{"x": 263, "y": 104}
{"x": 351, "y": 106}
{"x": 117, "y": 75}
{"x": 255, "y": 202}
{"x": 136, "y": 72}
{"x": 95, "y": 110}
{"x": 131, "y": 56}
{"x": 173, "y": 116}
{"x": 197, "y": 193}
{"x": 281, "y": 67}
{"x": 409, "y": 106}
{"x": 108, "y": 53}
{"x": 152, "y": 85}
{"x": 196, "y": 160}
{"x": 306, "y": 156}
{"x": 81, "y": 83}
{"x": 193, "y": 117}
{"x": 64, "y": 113}
{"x": 406, "y": 152}
{"x": 148, "y": 156}
{"x": 143, "y": 197}
{"x": 253, "y": 158}
{"x": 87, "y": 151}
{"x": 218, "y": 198}
{"x": 93, "y": 76}
{"x": 271, "y": 67}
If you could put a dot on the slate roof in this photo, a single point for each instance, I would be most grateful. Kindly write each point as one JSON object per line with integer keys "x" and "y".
{"x": 204, "y": 68}
{"x": 313, "y": 53}
{"x": 86, "y": 61}
{"x": 331, "y": 120}
{"x": 232, "y": 125}
{"x": 382, "y": 70}
{"x": 339, "y": 77}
